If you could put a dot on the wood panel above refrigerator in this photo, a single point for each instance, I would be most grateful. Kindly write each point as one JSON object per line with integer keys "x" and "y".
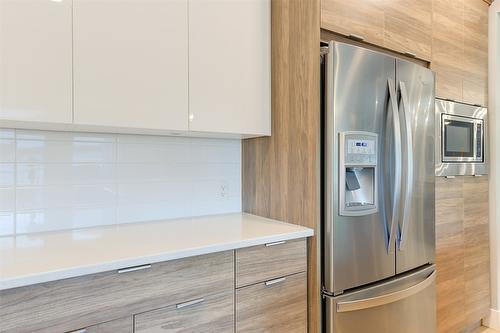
{"x": 451, "y": 35}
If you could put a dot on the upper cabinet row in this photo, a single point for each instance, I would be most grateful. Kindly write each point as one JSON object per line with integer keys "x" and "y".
{"x": 404, "y": 26}
{"x": 177, "y": 65}
{"x": 451, "y": 35}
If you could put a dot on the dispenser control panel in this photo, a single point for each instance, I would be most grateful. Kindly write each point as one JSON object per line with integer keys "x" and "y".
{"x": 360, "y": 148}
{"x": 358, "y": 173}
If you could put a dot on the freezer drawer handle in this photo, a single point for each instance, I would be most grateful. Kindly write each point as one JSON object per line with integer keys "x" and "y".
{"x": 386, "y": 299}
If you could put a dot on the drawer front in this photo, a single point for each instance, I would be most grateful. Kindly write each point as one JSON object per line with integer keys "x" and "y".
{"x": 264, "y": 262}
{"x": 278, "y": 306}
{"x": 212, "y": 313}
{"x": 66, "y": 305}
{"x": 122, "y": 325}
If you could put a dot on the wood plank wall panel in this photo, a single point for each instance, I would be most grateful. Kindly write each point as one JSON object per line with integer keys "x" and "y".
{"x": 450, "y": 285}
{"x": 280, "y": 174}
{"x": 477, "y": 255}
{"x": 358, "y": 17}
{"x": 475, "y": 89}
{"x": 408, "y": 27}
{"x": 447, "y": 49}
{"x": 462, "y": 252}
{"x": 452, "y": 35}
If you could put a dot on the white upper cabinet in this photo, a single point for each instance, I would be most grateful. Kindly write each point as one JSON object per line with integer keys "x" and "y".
{"x": 230, "y": 66}
{"x": 131, "y": 63}
{"x": 35, "y": 60}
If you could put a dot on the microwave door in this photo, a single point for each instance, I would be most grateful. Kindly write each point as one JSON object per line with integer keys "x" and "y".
{"x": 458, "y": 138}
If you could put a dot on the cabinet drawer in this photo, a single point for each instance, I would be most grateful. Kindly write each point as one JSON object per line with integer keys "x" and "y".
{"x": 213, "y": 313}
{"x": 122, "y": 325}
{"x": 273, "y": 306}
{"x": 70, "y": 304}
{"x": 265, "y": 262}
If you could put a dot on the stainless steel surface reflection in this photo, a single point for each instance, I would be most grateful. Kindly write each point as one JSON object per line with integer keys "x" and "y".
{"x": 378, "y": 263}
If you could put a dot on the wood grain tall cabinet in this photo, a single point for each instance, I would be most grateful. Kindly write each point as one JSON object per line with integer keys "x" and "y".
{"x": 462, "y": 252}
{"x": 280, "y": 174}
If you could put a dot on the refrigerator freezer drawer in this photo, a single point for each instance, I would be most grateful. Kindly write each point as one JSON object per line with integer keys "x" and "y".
{"x": 404, "y": 304}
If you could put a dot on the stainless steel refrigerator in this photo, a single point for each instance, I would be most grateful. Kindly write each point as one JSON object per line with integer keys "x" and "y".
{"x": 379, "y": 210}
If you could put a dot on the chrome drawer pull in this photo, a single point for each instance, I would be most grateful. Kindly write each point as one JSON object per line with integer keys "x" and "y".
{"x": 275, "y": 243}
{"x": 83, "y": 330}
{"x": 189, "y": 303}
{"x": 271, "y": 282}
{"x": 133, "y": 269}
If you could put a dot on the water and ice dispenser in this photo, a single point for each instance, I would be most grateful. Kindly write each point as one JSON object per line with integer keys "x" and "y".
{"x": 358, "y": 173}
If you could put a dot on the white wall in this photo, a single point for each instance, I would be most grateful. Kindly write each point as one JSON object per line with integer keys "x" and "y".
{"x": 494, "y": 123}
{"x": 65, "y": 180}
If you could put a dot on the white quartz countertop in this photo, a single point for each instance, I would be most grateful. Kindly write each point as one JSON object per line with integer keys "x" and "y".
{"x": 31, "y": 259}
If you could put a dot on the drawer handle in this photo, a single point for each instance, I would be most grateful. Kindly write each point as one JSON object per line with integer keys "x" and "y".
{"x": 271, "y": 282}
{"x": 189, "y": 303}
{"x": 133, "y": 269}
{"x": 83, "y": 330}
{"x": 275, "y": 243}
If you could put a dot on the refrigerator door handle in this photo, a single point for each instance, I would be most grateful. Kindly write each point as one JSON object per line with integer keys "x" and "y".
{"x": 387, "y": 298}
{"x": 408, "y": 166}
{"x": 394, "y": 122}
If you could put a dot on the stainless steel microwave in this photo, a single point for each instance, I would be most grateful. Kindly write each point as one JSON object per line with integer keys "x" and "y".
{"x": 461, "y": 133}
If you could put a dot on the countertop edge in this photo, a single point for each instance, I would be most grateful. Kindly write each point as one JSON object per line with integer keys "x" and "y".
{"x": 28, "y": 280}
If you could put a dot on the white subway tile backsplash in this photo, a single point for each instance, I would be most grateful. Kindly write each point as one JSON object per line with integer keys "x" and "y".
{"x": 139, "y": 192}
{"x": 153, "y": 153}
{"x": 64, "y": 218}
{"x": 6, "y": 224}
{"x": 7, "y": 151}
{"x": 7, "y": 199}
{"x": 63, "y": 174}
{"x": 66, "y": 180}
{"x": 131, "y": 213}
{"x": 6, "y": 133}
{"x": 39, "y": 151}
{"x": 63, "y": 136}
{"x": 29, "y": 198}
{"x": 7, "y": 174}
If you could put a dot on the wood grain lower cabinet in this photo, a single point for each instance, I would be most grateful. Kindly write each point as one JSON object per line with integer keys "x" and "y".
{"x": 121, "y": 325}
{"x": 189, "y": 295}
{"x": 462, "y": 252}
{"x": 269, "y": 261}
{"x": 71, "y": 304}
{"x": 277, "y": 306}
{"x": 212, "y": 313}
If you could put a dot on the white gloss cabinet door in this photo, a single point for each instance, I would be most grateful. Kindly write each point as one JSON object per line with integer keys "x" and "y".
{"x": 230, "y": 66}
{"x": 131, "y": 63}
{"x": 35, "y": 60}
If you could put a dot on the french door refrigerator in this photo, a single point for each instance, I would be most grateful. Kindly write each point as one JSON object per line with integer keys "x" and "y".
{"x": 379, "y": 234}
